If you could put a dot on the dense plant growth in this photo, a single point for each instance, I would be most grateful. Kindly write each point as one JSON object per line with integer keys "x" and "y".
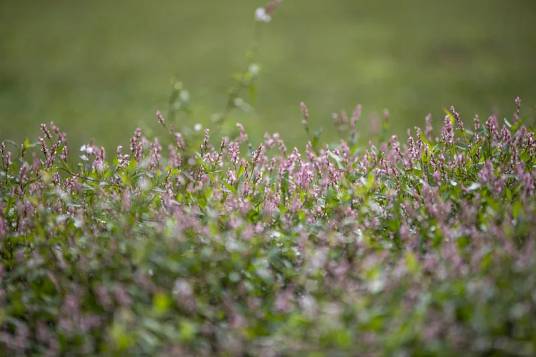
{"x": 225, "y": 247}
{"x": 219, "y": 245}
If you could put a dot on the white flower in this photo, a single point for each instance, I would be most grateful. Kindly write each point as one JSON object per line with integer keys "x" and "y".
{"x": 262, "y": 16}
{"x": 242, "y": 105}
{"x": 184, "y": 95}
{"x": 88, "y": 149}
{"x": 254, "y": 69}
{"x": 198, "y": 127}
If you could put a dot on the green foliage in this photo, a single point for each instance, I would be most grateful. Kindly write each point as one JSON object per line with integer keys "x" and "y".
{"x": 426, "y": 247}
{"x": 231, "y": 246}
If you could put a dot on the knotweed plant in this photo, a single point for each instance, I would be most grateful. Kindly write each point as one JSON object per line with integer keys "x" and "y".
{"x": 426, "y": 246}
{"x": 194, "y": 244}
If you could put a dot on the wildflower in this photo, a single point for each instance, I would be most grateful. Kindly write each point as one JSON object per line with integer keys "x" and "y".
{"x": 86, "y": 149}
{"x": 174, "y": 158}
{"x": 340, "y": 120}
{"x": 305, "y": 112}
{"x": 48, "y": 151}
{"x": 156, "y": 149}
{"x": 136, "y": 146}
{"x": 160, "y": 118}
{"x": 254, "y": 69}
{"x": 205, "y": 144}
{"x": 45, "y": 131}
{"x": 274, "y": 140}
{"x": 184, "y": 95}
{"x": 99, "y": 163}
{"x": 505, "y": 135}
{"x": 457, "y": 118}
{"x": 272, "y": 6}
{"x": 476, "y": 127}
{"x": 243, "y": 134}
{"x": 64, "y": 153}
{"x": 517, "y": 112}
{"x": 231, "y": 177}
{"x": 428, "y": 127}
{"x": 492, "y": 126}
{"x": 262, "y": 16}
{"x": 179, "y": 141}
{"x": 305, "y": 116}
{"x": 23, "y": 173}
{"x": 355, "y": 116}
{"x": 305, "y": 175}
{"x": 6, "y": 156}
{"x": 234, "y": 151}
{"x": 447, "y": 132}
{"x": 122, "y": 159}
{"x": 413, "y": 149}
{"x": 486, "y": 174}
{"x": 290, "y": 234}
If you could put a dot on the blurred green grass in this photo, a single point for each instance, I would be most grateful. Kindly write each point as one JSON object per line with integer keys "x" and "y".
{"x": 101, "y": 68}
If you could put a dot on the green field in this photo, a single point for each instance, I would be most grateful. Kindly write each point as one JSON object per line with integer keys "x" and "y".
{"x": 101, "y": 68}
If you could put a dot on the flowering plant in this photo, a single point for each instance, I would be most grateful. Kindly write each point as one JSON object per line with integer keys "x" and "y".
{"x": 218, "y": 245}
{"x": 424, "y": 246}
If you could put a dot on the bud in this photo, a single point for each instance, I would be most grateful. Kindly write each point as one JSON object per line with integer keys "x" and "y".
{"x": 517, "y": 113}
{"x": 160, "y": 118}
{"x": 262, "y": 16}
{"x": 305, "y": 112}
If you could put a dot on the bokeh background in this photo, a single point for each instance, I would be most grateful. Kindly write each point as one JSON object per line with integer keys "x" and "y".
{"x": 101, "y": 68}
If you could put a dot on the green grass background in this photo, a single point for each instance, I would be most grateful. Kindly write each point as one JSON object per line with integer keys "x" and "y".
{"x": 100, "y": 68}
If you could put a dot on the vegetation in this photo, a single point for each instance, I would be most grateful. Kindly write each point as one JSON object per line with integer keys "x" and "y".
{"x": 423, "y": 247}
{"x": 208, "y": 242}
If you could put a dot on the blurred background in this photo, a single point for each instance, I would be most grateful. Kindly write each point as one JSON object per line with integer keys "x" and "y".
{"x": 101, "y": 68}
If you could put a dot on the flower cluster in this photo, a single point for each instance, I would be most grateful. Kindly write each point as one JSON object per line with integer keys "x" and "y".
{"x": 264, "y": 14}
{"x": 205, "y": 246}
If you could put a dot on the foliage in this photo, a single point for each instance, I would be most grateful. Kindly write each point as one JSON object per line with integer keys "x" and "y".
{"x": 423, "y": 247}
{"x": 221, "y": 246}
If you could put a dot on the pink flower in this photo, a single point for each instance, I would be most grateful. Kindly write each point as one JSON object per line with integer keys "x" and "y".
{"x": 447, "y": 132}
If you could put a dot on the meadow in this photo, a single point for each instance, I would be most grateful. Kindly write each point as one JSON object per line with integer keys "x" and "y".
{"x": 207, "y": 232}
{"x": 423, "y": 247}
